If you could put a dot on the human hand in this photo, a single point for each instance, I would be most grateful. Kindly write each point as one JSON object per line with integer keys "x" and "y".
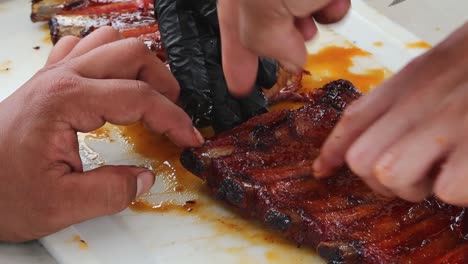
{"x": 86, "y": 83}
{"x": 408, "y": 137}
{"x": 269, "y": 28}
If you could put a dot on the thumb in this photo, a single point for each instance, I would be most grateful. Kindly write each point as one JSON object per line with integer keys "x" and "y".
{"x": 102, "y": 191}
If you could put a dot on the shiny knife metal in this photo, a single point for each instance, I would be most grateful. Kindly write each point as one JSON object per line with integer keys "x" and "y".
{"x": 395, "y": 2}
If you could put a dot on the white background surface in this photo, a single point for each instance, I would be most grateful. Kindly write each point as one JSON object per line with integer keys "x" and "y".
{"x": 431, "y": 20}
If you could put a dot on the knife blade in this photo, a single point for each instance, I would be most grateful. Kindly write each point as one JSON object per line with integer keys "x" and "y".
{"x": 395, "y": 2}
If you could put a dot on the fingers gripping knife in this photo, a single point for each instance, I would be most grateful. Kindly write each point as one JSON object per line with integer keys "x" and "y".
{"x": 191, "y": 37}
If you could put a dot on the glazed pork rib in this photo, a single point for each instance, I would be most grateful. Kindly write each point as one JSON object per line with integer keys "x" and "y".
{"x": 264, "y": 169}
{"x": 131, "y": 18}
{"x": 43, "y": 10}
{"x": 130, "y": 24}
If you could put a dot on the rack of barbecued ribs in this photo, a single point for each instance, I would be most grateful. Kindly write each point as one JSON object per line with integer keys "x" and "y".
{"x": 264, "y": 169}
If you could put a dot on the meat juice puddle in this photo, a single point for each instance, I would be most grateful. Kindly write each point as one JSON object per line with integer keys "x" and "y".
{"x": 332, "y": 63}
{"x": 328, "y": 64}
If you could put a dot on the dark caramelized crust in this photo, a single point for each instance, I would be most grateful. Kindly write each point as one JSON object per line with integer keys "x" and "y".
{"x": 264, "y": 168}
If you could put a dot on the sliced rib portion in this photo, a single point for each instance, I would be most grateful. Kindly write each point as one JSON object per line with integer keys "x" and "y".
{"x": 132, "y": 18}
{"x": 264, "y": 169}
{"x": 124, "y": 16}
{"x": 80, "y": 25}
{"x": 43, "y": 10}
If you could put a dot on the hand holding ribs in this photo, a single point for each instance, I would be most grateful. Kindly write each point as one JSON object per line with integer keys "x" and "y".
{"x": 264, "y": 169}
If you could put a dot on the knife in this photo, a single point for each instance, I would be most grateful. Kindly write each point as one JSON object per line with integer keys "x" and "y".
{"x": 395, "y": 2}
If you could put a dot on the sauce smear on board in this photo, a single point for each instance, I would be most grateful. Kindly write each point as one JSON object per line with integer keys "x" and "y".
{"x": 378, "y": 43}
{"x": 419, "y": 45}
{"x": 47, "y": 38}
{"x": 81, "y": 243}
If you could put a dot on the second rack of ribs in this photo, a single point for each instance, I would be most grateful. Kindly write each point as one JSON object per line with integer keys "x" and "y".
{"x": 264, "y": 168}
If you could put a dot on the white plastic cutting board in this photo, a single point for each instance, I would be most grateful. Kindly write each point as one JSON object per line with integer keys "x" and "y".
{"x": 130, "y": 237}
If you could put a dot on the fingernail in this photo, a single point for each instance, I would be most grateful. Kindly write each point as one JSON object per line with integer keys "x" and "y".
{"x": 291, "y": 67}
{"x": 317, "y": 168}
{"x": 144, "y": 182}
{"x": 383, "y": 167}
{"x": 198, "y": 136}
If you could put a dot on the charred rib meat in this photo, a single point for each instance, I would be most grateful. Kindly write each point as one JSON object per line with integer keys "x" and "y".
{"x": 264, "y": 169}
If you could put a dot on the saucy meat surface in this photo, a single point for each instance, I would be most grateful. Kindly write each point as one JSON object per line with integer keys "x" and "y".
{"x": 264, "y": 169}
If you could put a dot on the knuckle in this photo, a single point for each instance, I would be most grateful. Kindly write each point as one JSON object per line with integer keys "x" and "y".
{"x": 48, "y": 69}
{"x": 140, "y": 87}
{"x": 136, "y": 47}
{"x": 143, "y": 90}
{"x": 63, "y": 84}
